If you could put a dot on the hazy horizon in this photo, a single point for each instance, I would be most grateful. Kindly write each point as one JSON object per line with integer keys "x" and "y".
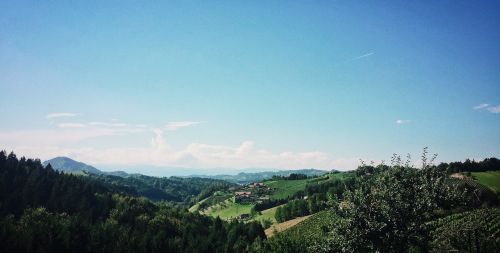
{"x": 160, "y": 171}
{"x": 285, "y": 85}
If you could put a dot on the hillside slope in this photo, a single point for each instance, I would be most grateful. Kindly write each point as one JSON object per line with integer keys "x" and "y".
{"x": 490, "y": 179}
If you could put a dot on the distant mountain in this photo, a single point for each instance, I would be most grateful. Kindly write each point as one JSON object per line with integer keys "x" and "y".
{"x": 245, "y": 177}
{"x": 69, "y": 165}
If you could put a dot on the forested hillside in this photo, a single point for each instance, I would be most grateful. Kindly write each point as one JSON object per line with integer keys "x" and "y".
{"x": 177, "y": 190}
{"x": 42, "y": 210}
{"x": 182, "y": 191}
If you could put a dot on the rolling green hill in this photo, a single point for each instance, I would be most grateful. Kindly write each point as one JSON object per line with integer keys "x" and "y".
{"x": 228, "y": 209}
{"x": 286, "y": 188}
{"x": 267, "y": 214}
{"x": 282, "y": 189}
{"x": 490, "y": 179}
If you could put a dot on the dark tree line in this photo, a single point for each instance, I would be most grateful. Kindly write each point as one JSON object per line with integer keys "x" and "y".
{"x": 42, "y": 210}
{"x": 26, "y": 183}
{"x": 269, "y": 203}
{"x": 293, "y": 176}
{"x": 488, "y": 164}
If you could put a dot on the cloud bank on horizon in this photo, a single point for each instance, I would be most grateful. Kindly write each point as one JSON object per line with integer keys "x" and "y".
{"x": 66, "y": 139}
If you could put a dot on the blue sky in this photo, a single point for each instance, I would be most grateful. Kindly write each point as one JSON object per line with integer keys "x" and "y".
{"x": 238, "y": 84}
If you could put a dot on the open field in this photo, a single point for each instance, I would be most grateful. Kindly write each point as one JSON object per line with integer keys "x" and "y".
{"x": 267, "y": 214}
{"x": 286, "y": 188}
{"x": 228, "y": 209}
{"x": 490, "y": 179}
{"x": 342, "y": 175}
{"x": 217, "y": 197}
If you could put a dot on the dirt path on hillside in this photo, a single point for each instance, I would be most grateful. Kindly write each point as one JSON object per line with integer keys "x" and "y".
{"x": 284, "y": 225}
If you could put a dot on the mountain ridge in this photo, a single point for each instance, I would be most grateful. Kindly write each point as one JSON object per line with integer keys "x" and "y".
{"x": 66, "y": 164}
{"x": 69, "y": 165}
{"x": 248, "y": 177}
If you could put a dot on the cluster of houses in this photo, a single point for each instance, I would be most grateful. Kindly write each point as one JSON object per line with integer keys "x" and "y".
{"x": 254, "y": 192}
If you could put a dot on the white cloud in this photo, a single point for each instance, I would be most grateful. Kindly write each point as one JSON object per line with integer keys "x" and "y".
{"x": 50, "y": 137}
{"x": 402, "y": 121}
{"x": 46, "y": 144}
{"x": 110, "y": 127}
{"x": 488, "y": 107}
{"x": 64, "y": 134}
{"x": 59, "y": 115}
{"x": 172, "y": 126}
{"x": 75, "y": 140}
{"x": 71, "y": 125}
{"x": 481, "y": 106}
{"x": 494, "y": 109}
{"x": 202, "y": 155}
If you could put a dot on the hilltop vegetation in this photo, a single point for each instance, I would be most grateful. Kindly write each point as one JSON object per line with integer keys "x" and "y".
{"x": 397, "y": 208}
{"x": 488, "y": 164}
